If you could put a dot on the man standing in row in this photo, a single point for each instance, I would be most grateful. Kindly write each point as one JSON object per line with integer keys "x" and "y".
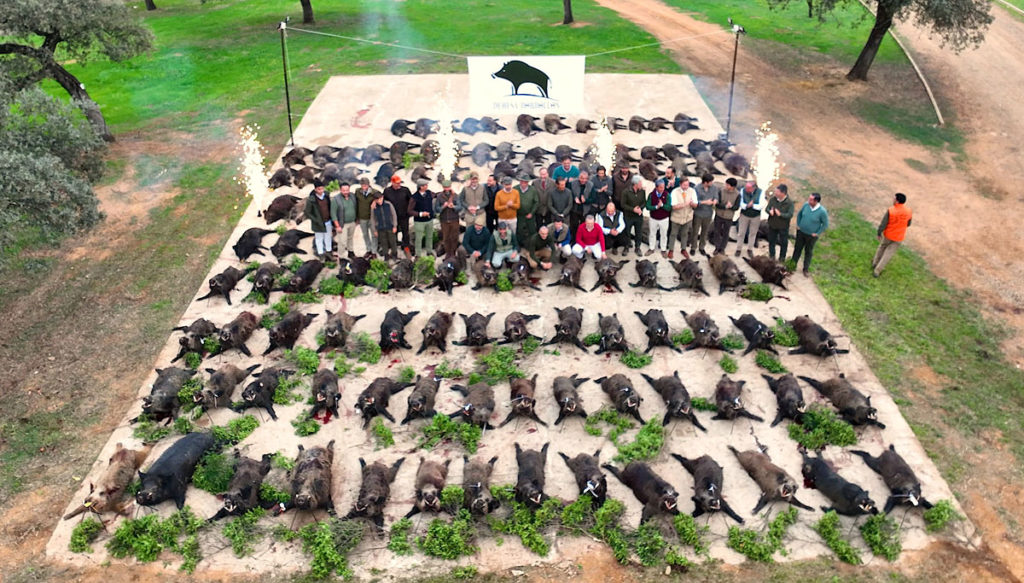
{"x": 634, "y": 199}
{"x": 750, "y": 205}
{"x": 725, "y": 211}
{"x": 891, "y": 232}
{"x": 507, "y": 203}
{"x": 399, "y": 196}
{"x": 364, "y": 198}
{"x": 385, "y": 221}
{"x": 780, "y": 211}
{"x": 474, "y": 199}
{"x": 659, "y": 203}
{"x": 811, "y": 222}
{"x": 322, "y": 211}
{"x": 448, "y": 208}
{"x": 684, "y": 200}
{"x": 708, "y": 194}
{"x": 421, "y": 207}
{"x": 347, "y": 218}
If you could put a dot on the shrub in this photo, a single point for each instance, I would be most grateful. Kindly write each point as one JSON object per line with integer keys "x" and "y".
{"x": 272, "y": 495}
{"x": 449, "y": 540}
{"x": 467, "y": 572}
{"x": 242, "y": 531}
{"x": 305, "y": 425}
{"x": 785, "y": 335}
{"x": 84, "y": 534}
{"x": 147, "y": 537}
{"x": 527, "y": 524}
{"x": 504, "y": 284}
{"x": 940, "y": 515}
{"x": 193, "y": 360}
{"x": 499, "y": 365}
{"x": 530, "y": 345}
{"x": 733, "y": 342}
{"x": 703, "y": 404}
{"x": 828, "y": 528}
{"x": 214, "y": 472}
{"x": 768, "y": 362}
{"x": 382, "y": 433}
{"x": 592, "y": 339}
{"x": 647, "y": 444}
{"x": 423, "y": 270}
{"x": 379, "y": 275}
{"x": 442, "y": 428}
{"x": 649, "y": 545}
{"x": 407, "y": 375}
{"x": 728, "y": 364}
{"x": 620, "y": 423}
{"x": 286, "y": 392}
{"x": 211, "y": 344}
{"x": 188, "y": 389}
{"x": 332, "y": 286}
{"x": 882, "y": 535}
{"x": 750, "y": 544}
{"x": 461, "y": 278}
{"x": 365, "y": 348}
{"x": 634, "y": 359}
{"x": 183, "y": 425}
{"x": 683, "y": 338}
{"x": 329, "y": 542}
{"x": 452, "y": 497}
{"x": 445, "y": 370}
{"x": 149, "y": 431}
{"x": 398, "y": 538}
{"x": 235, "y": 431}
{"x": 689, "y": 533}
{"x": 305, "y": 359}
{"x": 757, "y": 292}
{"x": 820, "y": 426}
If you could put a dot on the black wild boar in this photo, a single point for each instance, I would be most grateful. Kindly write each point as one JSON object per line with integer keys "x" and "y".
{"x": 421, "y": 400}
{"x": 774, "y": 482}
{"x": 296, "y": 156}
{"x": 284, "y": 206}
{"x": 636, "y": 124}
{"x": 758, "y": 335}
{"x": 435, "y": 333}
{"x": 311, "y": 479}
{"x": 353, "y": 269}
{"x": 476, "y": 330}
{"x": 490, "y": 125}
{"x": 585, "y": 125}
{"x": 237, "y": 332}
{"x": 243, "y": 493}
{"x": 266, "y": 277}
{"x": 478, "y": 406}
{"x": 813, "y": 338}
{"x": 729, "y": 276}
{"x": 523, "y": 400}
{"x": 647, "y": 276}
{"x": 612, "y": 335}
{"x": 288, "y": 243}
{"x": 251, "y": 243}
{"x": 195, "y": 332}
{"x": 526, "y": 124}
{"x": 106, "y": 494}
{"x": 374, "y": 399}
{"x": 625, "y": 398}
{"x": 402, "y": 275}
{"x": 337, "y": 329}
{"x": 570, "y": 320}
{"x": 904, "y": 487}
{"x": 606, "y": 271}
{"x": 431, "y": 477}
{"x": 162, "y": 402}
{"x": 303, "y": 176}
{"x": 224, "y": 283}
{"x": 591, "y": 481}
{"x": 691, "y": 276}
{"x": 847, "y": 498}
{"x": 304, "y": 277}
{"x": 284, "y": 333}
{"x": 568, "y": 398}
{"x": 423, "y": 127}
{"x": 789, "y": 397}
{"x": 260, "y": 393}
{"x": 476, "y": 485}
{"x": 520, "y": 274}
{"x": 657, "y": 495}
{"x": 400, "y": 127}
{"x": 656, "y": 124}
{"x": 221, "y": 386}
{"x": 570, "y": 274}
{"x": 705, "y": 331}
{"x": 707, "y": 486}
{"x": 449, "y": 269}
{"x": 736, "y": 164}
{"x": 374, "y": 491}
{"x": 676, "y": 397}
{"x": 728, "y": 402}
{"x": 326, "y": 394}
{"x": 683, "y": 123}
{"x": 657, "y": 330}
{"x": 170, "y": 474}
{"x": 530, "y": 481}
{"x": 486, "y": 274}
{"x": 392, "y": 329}
{"x": 281, "y": 177}
{"x": 851, "y": 403}
{"x": 515, "y": 327}
{"x": 649, "y": 170}
{"x": 770, "y": 270}
{"x": 553, "y": 123}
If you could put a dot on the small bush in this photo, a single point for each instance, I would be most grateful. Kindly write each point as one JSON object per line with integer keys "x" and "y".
{"x": 272, "y": 495}
{"x": 243, "y": 533}
{"x": 768, "y": 362}
{"x": 398, "y": 538}
{"x": 683, "y": 338}
{"x": 214, "y": 472}
{"x": 592, "y": 339}
{"x": 452, "y": 497}
{"x": 499, "y": 365}
{"x": 188, "y": 389}
{"x": 504, "y": 284}
{"x": 703, "y": 404}
{"x": 527, "y": 524}
{"x": 620, "y": 423}
{"x": 689, "y": 533}
{"x": 287, "y": 391}
{"x": 445, "y": 370}
{"x": 84, "y": 534}
{"x": 423, "y": 270}
{"x": 461, "y": 278}
{"x": 940, "y": 515}
{"x": 530, "y": 345}
{"x": 750, "y": 544}
{"x": 235, "y": 431}
{"x": 305, "y": 425}
{"x": 442, "y": 428}
{"x": 728, "y": 364}
{"x": 329, "y": 542}
{"x": 828, "y": 528}
{"x": 149, "y": 431}
{"x": 382, "y": 433}
{"x": 255, "y": 297}
{"x": 379, "y": 275}
{"x": 820, "y": 426}
{"x": 733, "y": 342}
{"x": 882, "y": 535}
{"x": 211, "y": 344}
{"x": 650, "y": 546}
{"x": 467, "y": 572}
{"x": 449, "y": 540}
{"x": 407, "y": 375}
{"x": 147, "y": 537}
{"x": 332, "y": 286}
{"x": 634, "y": 359}
{"x": 365, "y": 348}
{"x": 193, "y": 360}
{"x": 647, "y": 444}
{"x": 281, "y": 461}
{"x": 183, "y": 425}
{"x": 757, "y": 292}
{"x": 305, "y": 359}
{"x": 352, "y": 291}
{"x": 785, "y": 335}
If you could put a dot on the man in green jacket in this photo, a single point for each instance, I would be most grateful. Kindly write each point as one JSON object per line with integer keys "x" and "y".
{"x": 780, "y": 212}
{"x": 811, "y": 222}
{"x": 634, "y": 201}
{"x": 529, "y": 205}
{"x": 347, "y": 217}
{"x": 322, "y": 211}
{"x": 364, "y": 198}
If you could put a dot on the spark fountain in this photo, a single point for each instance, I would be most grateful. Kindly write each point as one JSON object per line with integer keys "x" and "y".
{"x": 448, "y": 146}
{"x": 605, "y": 146}
{"x": 253, "y": 175}
{"x": 766, "y": 165}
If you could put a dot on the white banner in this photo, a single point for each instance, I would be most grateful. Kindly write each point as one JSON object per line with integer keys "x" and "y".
{"x": 502, "y": 85}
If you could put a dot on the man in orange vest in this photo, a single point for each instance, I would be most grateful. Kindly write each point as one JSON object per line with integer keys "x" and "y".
{"x": 891, "y": 232}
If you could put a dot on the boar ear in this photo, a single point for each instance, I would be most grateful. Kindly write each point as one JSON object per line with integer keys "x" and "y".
{"x": 362, "y": 463}
{"x": 91, "y": 487}
{"x": 329, "y": 313}
{"x": 142, "y": 476}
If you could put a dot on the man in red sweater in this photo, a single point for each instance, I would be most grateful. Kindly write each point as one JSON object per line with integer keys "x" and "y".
{"x": 589, "y": 240}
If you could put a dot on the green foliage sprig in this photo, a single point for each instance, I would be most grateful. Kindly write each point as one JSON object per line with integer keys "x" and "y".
{"x": 365, "y": 349}
{"x": 785, "y": 335}
{"x": 332, "y": 286}
{"x": 443, "y": 428}
{"x": 243, "y": 532}
{"x": 423, "y": 270}
{"x": 382, "y": 433}
{"x": 329, "y": 542}
{"x": 765, "y": 360}
{"x": 530, "y": 345}
{"x": 527, "y": 524}
{"x": 683, "y": 338}
{"x": 305, "y": 425}
{"x": 271, "y": 495}
{"x": 193, "y": 360}
{"x": 757, "y": 292}
{"x": 305, "y": 359}
{"x": 447, "y": 371}
{"x": 646, "y": 445}
{"x": 286, "y": 392}
{"x": 703, "y": 404}
{"x": 499, "y": 365}
{"x": 828, "y": 528}
{"x": 882, "y": 535}
{"x": 398, "y": 537}
{"x": 235, "y": 431}
{"x": 84, "y": 534}
{"x": 503, "y": 284}
{"x": 450, "y": 540}
{"x": 379, "y": 275}
{"x": 750, "y": 544}
{"x": 634, "y": 359}
{"x": 592, "y": 339}
{"x": 820, "y": 426}
{"x": 145, "y": 538}
{"x": 728, "y": 364}
{"x": 406, "y": 375}
{"x": 689, "y": 533}
{"x": 733, "y": 341}
{"x": 940, "y": 515}
{"x": 620, "y": 423}
{"x": 148, "y": 431}
{"x": 213, "y": 473}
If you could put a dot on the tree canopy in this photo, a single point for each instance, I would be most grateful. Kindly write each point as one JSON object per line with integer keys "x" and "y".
{"x": 958, "y": 23}
{"x": 40, "y": 34}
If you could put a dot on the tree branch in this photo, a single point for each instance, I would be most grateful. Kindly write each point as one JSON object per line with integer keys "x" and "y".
{"x": 19, "y": 49}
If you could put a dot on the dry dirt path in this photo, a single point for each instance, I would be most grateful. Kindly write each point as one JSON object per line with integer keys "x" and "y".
{"x": 960, "y": 208}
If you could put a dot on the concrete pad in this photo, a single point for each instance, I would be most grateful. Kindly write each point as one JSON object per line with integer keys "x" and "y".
{"x": 358, "y": 111}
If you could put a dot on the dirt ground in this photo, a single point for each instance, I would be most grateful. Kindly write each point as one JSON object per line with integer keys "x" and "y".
{"x": 699, "y": 369}
{"x": 822, "y": 141}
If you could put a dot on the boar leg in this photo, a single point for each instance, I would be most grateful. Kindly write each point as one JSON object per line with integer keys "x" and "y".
{"x": 730, "y": 512}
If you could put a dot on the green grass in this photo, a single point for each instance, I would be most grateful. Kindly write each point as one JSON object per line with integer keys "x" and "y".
{"x": 204, "y": 54}
{"x": 912, "y": 123}
{"x": 909, "y": 318}
{"x": 841, "y": 35}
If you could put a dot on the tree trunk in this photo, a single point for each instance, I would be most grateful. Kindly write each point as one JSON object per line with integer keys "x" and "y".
{"x": 150, "y": 5}
{"x": 80, "y": 97}
{"x": 567, "y": 11}
{"x": 883, "y": 22}
{"x": 810, "y": 8}
{"x": 307, "y": 11}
